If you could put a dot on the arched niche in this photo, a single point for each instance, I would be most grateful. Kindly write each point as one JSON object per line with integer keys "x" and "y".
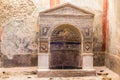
{"x": 66, "y": 42}
{"x": 65, "y": 48}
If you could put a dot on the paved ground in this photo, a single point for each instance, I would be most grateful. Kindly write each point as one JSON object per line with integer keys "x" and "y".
{"x": 30, "y": 73}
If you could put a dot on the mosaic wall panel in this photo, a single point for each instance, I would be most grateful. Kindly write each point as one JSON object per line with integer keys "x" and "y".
{"x": 44, "y": 31}
{"x": 87, "y": 47}
{"x": 44, "y": 46}
{"x": 65, "y": 46}
{"x": 88, "y": 33}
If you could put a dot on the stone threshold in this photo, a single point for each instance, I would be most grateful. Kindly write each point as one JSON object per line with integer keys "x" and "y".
{"x": 44, "y": 73}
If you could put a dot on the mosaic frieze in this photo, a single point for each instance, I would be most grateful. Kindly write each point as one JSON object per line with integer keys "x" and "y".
{"x": 66, "y": 33}
{"x": 43, "y": 46}
{"x": 87, "y": 47}
{"x": 65, "y": 37}
{"x": 65, "y": 46}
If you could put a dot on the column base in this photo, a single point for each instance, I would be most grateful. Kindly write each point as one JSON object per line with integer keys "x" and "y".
{"x": 43, "y": 61}
{"x": 87, "y": 61}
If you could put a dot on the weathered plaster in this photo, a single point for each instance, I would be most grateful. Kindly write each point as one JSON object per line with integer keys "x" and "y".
{"x": 10, "y": 10}
{"x": 14, "y": 8}
{"x": 17, "y": 38}
{"x": 113, "y": 40}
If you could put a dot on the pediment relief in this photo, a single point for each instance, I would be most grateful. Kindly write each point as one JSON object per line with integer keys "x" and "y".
{"x": 67, "y": 9}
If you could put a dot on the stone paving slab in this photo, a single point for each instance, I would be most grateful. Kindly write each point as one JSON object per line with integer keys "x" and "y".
{"x": 28, "y": 73}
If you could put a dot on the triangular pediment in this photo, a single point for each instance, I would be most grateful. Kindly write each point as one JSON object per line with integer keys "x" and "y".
{"x": 67, "y": 9}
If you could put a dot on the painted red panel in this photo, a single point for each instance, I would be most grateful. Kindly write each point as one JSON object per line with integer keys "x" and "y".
{"x": 54, "y": 3}
{"x": 105, "y": 23}
{"x": 57, "y": 1}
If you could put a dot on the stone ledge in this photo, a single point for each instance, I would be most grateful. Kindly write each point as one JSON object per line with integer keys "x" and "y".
{"x": 66, "y": 73}
{"x": 87, "y": 54}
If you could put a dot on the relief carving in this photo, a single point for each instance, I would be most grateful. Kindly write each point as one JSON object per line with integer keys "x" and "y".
{"x": 67, "y": 10}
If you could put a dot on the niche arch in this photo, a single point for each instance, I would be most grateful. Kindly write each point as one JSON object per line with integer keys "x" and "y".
{"x": 55, "y": 25}
{"x": 65, "y": 47}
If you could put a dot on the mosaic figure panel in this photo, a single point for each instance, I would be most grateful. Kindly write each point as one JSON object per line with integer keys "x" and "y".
{"x": 44, "y": 31}
{"x": 43, "y": 46}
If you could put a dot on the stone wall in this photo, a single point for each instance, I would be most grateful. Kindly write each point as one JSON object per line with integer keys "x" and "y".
{"x": 12, "y": 12}
{"x": 18, "y": 38}
{"x": 18, "y": 44}
{"x": 20, "y": 60}
{"x": 113, "y": 62}
{"x": 13, "y": 8}
{"x": 99, "y": 58}
{"x": 113, "y": 44}
{"x": 17, "y": 30}
{"x": 99, "y": 54}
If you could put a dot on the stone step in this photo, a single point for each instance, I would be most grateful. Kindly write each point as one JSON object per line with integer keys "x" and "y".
{"x": 65, "y": 73}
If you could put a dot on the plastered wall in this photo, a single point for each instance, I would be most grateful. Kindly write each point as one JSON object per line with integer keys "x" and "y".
{"x": 19, "y": 25}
